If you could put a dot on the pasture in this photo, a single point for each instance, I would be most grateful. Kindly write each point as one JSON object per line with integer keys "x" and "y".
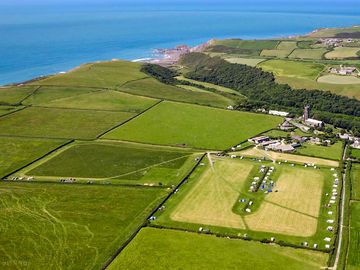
{"x": 292, "y": 69}
{"x": 18, "y": 152}
{"x": 14, "y": 95}
{"x": 280, "y": 53}
{"x": 308, "y": 53}
{"x": 193, "y": 126}
{"x": 333, "y": 151}
{"x": 181, "y": 250}
{"x": 99, "y": 75}
{"x": 255, "y": 152}
{"x": 54, "y": 226}
{"x": 253, "y": 62}
{"x": 60, "y": 123}
{"x": 150, "y": 87}
{"x": 248, "y": 44}
{"x": 8, "y": 109}
{"x": 287, "y": 45}
{"x": 336, "y": 79}
{"x": 355, "y": 153}
{"x": 355, "y": 181}
{"x": 114, "y": 160}
{"x": 333, "y": 32}
{"x": 343, "y": 53}
{"x": 353, "y": 258}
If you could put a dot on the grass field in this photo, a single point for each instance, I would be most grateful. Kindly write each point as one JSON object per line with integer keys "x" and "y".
{"x": 14, "y": 95}
{"x": 308, "y": 53}
{"x": 287, "y": 45}
{"x": 254, "y": 152}
{"x": 53, "y": 226}
{"x": 181, "y": 250}
{"x": 60, "y": 123}
{"x": 103, "y": 75}
{"x": 280, "y": 53}
{"x": 7, "y": 109}
{"x": 355, "y": 153}
{"x": 248, "y": 44}
{"x": 113, "y": 160}
{"x": 355, "y": 182}
{"x": 18, "y": 152}
{"x": 104, "y": 100}
{"x": 336, "y": 79}
{"x": 152, "y": 88}
{"x": 343, "y": 53}
{"x": 327, "y": 152}
{"x": 253, "y": 62}
{"x": 353, "y": 259}
{"x": 332, "y": 32}
{"x": 295, "y": 69}
{"x": 193, "y": 126}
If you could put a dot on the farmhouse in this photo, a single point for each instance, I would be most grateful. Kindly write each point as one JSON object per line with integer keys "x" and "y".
{"x": 258, "y": 140}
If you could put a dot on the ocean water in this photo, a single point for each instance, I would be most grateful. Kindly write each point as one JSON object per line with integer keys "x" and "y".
{"x": 39, "y": 38}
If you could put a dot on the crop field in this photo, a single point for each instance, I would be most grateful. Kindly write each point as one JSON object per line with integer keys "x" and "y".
{"x": 152, "y": 88}
{"x": 355, "y": 182}
{"x": 254, "y": 152}
{"x": 336, "y": 79}
{"x": 190, "y": 126}
{"x": 68, "y": 226}
{"x": 291, "y": 69}
{"x": 353, "y": 259}
{"x": 14, "y": 95}
{"x": 343, "y": 53}
{"x": 333, "y": 152}
{"x": 249, "y": 44}
{"x": 181, "y": 250}
{"x": 100, "y": 75}
{"x": 287, "y": 45}
{"x": 18, "y": 152}
{"x": 280, "y": 53}
{"x": 211, "y": 199}
{"x": 308, "y": 53}
{"x": 60, "y": 123}
{"x": 253, "y": 62}
{"x": 104, "y": 100}
{"x": 114, "y": 160}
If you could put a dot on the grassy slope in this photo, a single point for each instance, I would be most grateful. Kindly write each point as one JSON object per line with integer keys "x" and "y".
{"x": 180, "y": 250}
{"x": 342, "y": 53}
{"x": 60, "y": 123}
{"x": 195, "y": 126}
{"x": 355, "y": 182}
{"x": 52, "y": 226}
{"x": 244, "y": 61}
{"x": 353, "y": 260}
{"x": 328, "y": 152}
{"x": 281, "y": 53}
{"x": 331, "y": 32}
{"x": 13, "y": 95}
{"x": 17, "y": 152}
{"x": 308, "y": 53}
{"x": 337, "y": 79}
{"x": 287, "y": 45}
{"x": 248, "y": 44}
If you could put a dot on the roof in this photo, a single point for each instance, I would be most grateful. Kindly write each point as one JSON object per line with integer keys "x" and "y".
{"x": 313, "y": 121}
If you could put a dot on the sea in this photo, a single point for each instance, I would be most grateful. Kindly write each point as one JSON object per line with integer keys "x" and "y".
{"x": 38, "y": 38}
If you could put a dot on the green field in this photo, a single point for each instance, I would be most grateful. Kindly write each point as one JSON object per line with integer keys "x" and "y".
{"x": 98, "y": 75}
{"x": 8, "y": 109}
{"x": 353, "y": 258}
{"x": 244, "y": 61}
{"x": 287, "y": 45}
{"x": 355, "y": 181}
{"x": 248, "y": 44}
{"x": 308, "y": 53}
{"x": 114, "y": 160}
{"x": 332, "y": 32}
{"x": 355, "y": 153}
{"x": 328, "y": 152}
{"x": 14, "y": 95}
{"x": 167, "y": 249}
{"x": 276, "y": 53}
{"x": 291, "y": 69}
{"x": 336, "y": 79}
{"x": 152, "y": 88}
{"x": 18, "y": 152}
{"x": 53, "y": 226}
{"x": 60, "y": 123}
{"x": 193, "y": 126}
{"x": 104, "y": 100}
{"x": 343, "y": 53}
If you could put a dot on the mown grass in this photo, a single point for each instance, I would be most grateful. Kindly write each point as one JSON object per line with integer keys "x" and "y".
{"x": 248, "y": 44}
{"x": 353, "y": 259}
{"x": 355, "y": 181}
{"x": 188, "y": 125}
{"x": 14, "y": 95}
{"x": 103, "y": 75}
{"x": 287, "y": 45}
{"x": 308, "y": 53}
{"x": 110, "y": 159}
{"x": 152, "y": 88}
{"x": 18, "y": 152}
{"x": 343, "y": 53}
{"x": 180, "y": 250}
{"x": 280, "y": 53}
{"x": 296, "y": 69}
{"x": 68, "y": 226}
{"x": 328, "y": 152}
{"x": 60, "y": 123}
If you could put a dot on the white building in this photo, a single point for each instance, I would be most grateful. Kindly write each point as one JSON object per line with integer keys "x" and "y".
{"x": 314, "y": 123}
{"x": 278, "y": 113}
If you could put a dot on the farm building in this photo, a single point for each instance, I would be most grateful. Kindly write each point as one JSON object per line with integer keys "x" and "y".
{"x": 278, "y": 113}
{"x": 259, "y": 139}
{"x": 314, "y": 123}
{"x": 286, "y": 125}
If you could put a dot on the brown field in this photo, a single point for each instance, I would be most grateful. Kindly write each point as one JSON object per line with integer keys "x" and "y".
{"x": 211, "y": 200}
{"x": 254, "y": 152}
